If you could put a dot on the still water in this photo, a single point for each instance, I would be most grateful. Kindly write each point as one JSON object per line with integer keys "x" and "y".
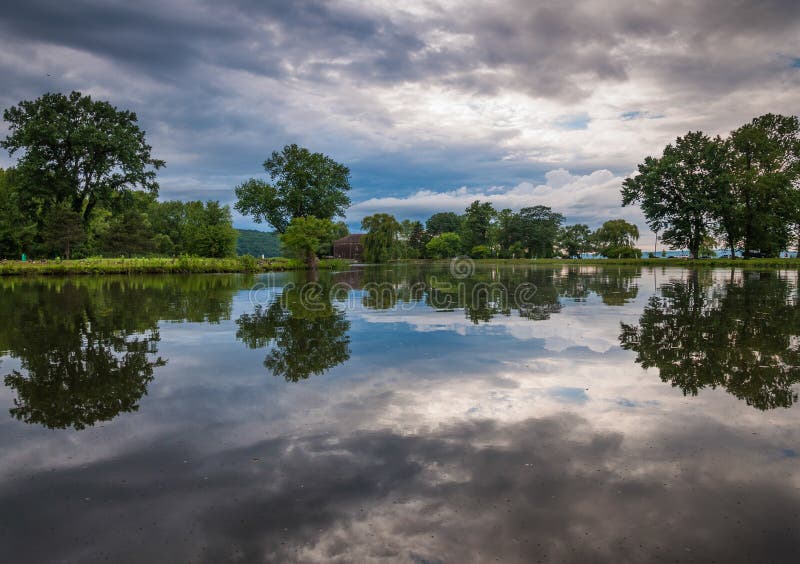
{"x": 419, "y": 414}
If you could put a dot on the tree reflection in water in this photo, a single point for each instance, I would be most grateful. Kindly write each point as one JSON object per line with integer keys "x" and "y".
{"x": 308, "y": 334}
{"x": 741, "y": 335}
{"x": 88, "y": 347}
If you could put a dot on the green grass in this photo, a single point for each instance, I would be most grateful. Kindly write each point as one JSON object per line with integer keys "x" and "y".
{"x": 177, "y": 265}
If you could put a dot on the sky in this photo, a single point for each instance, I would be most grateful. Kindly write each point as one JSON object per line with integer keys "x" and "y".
{"x": 431, "y": 104}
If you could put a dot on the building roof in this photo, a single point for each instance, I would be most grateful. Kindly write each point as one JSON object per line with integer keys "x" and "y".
{"x": 353, "y": 238}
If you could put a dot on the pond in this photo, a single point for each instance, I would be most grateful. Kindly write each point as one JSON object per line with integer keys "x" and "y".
{"x": 403, "y": 413}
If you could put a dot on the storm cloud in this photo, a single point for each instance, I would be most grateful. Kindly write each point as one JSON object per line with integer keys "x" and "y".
{"x": 426, "y": 97}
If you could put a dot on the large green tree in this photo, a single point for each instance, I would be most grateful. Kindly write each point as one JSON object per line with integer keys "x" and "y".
{"x": 575, "y": 239}
{"x": 17, "y": 228}
{"x": 476, "y": 224}
{"x": 77, "y": 151}
{"x": 443, "y": 222}
{"x": 764, "y": 175}
{"x": 446, "y": 245}
{"x": 536, "y": 229}
{"x": 678, "y": 191}
{"x": 302, "y": 184}
{"x": 208, "y": 230}
{"x": 62, "y": 230}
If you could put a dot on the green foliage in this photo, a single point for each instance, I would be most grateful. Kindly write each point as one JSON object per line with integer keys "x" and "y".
{"x": 763, "y": 203}
{"x": 536, "y": 229}
{"x": 381, "y": 241}
{"x": 17, "y": 229}
{"x": 480, "y": 252}
{"x": 743, "y": 188}
{"x": 476, "y": 224}
{"x": 622, "y": 252}
{"x": 305, "y": 236}
{"x": 78, "y": 152}
{"x": 614, "y": 236}
{"x": 208, "y": 230}
{"x": 62, "y": 229}
{"x": 443, "y": 222}
{"x": 446, "y": 245}
{"x": 303, "y": 184}
{"x": 417, "y": 239}
{"x": 678, "y": 192}
{"x": 129, "y": 234}
{"x": 258, "y": 243}
{"x": 575, "y": 239}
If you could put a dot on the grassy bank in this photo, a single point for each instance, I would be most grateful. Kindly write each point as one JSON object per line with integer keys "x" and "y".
{"x": 655, "y": 262}
{"x": 178, "y": 265}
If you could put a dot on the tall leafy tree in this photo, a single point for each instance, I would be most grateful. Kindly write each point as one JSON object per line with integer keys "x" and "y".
{"x": 78, "y": 152}
{"x": 678, "y": 191}
{"x": 476, "y": 224}
{"x": 17, "y": 228}
{"x": 302, "y": 184}
{"x": 538, "y": 228}
{"x": 764, "y": 165}
{"x": 443, "y": 222}
{"x": 417, "y": 238}
{"x": 575, "y": 239}
{"x": 62, "y": 230}
{"x": 381, "y": 241}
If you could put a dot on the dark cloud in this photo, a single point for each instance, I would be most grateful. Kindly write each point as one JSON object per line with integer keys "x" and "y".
{"x": 554, "y": 489}
{"x": 219, "y": 85}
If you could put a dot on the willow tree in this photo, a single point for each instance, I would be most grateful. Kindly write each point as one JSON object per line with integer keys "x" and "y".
{"x": 381, "y": 241}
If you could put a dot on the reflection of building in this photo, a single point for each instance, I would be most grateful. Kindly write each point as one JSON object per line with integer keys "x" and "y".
{"x": 349, "y": 247}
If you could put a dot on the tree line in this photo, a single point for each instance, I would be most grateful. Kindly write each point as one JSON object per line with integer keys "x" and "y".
{"x": 308, "y": 190}
{"x": 84, "y": 184}
{"x": 483, "y": 232}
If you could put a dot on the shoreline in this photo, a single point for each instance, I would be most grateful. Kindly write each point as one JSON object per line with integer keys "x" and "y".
{"x": 246, "y": 264}
{"x": 178, "y": 265}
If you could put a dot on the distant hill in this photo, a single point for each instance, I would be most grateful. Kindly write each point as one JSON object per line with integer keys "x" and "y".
{"x": 257, "y": 243}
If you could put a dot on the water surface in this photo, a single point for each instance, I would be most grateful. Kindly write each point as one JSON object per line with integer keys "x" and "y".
{"x": 407, "y": 413}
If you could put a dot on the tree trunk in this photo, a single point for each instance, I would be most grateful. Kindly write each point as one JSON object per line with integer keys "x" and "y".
{"x": 66, "y": 252}
{"x": 312, "y": 261}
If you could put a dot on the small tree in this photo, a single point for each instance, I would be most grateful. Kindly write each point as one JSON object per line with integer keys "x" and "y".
{"x": 305, "y": 236}
{"x": 446, "y": 245}
{"x": 63, "y": 228}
